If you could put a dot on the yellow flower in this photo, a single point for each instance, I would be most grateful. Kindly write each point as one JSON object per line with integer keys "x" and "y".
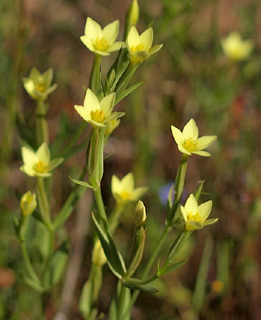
{"x": 235, "y": 48}
{"x": 38, "y": 85}
{"x": 38, "y": 164}
{"x": 139, "y": 216}
{"x": 195, "y": 216}
{"x": 123, "y": 190}
{"x": 98, "y": 113}
{"x": 28, "y": 203}
{"x": 188, "y": 141}
{"x": 139, "y": 46}
{"x": 101, "y": 41}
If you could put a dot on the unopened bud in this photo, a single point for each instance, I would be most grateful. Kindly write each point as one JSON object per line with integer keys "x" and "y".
{"x": 28, "y": 203}
{"x": 98, "y": 256}
{"x": 133, "y": 13}
{"x": 139, "y": 216}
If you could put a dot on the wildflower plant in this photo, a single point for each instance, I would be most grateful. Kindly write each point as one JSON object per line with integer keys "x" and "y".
{"x": 99, "y": 111}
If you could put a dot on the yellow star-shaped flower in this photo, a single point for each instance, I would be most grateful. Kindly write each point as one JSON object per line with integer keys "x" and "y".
{"x": 139, "y": 46}
{"x": 235, "y": 48}
{"x": 124, "y": 190}
{"x": 101, "y": 41}
{"x": 98, "y": 113}
{"x": 195, "y": 216}
{"x": 188, "y": 141}
{"x": 39, "y": 163}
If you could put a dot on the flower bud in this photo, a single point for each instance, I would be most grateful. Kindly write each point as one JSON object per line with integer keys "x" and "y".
{"x": 28, "y": 203}
{"x": 139, "y": 216}
{"x": 133, "y": 13}
{"x": 98, "y": 256}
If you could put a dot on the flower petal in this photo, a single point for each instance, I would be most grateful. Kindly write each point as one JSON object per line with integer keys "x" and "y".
{"x": 155, "y": 49}
{"x": 111, "y": 31}
{"x": 127, "y": 182}
{"x": 202, "y": 153}
{"x": 115, "y": 185}
{"x": 107, "y": 104}
{"x": 204, "y": 209}
{"x": 133, "y": 38}
{"x": 190, "y": 130}
{"x": 92, "y": 29}
{"x": 146, "y": 38}
{"x": 83, "y": 112}
{"x": 43, "y": 153}
{"x": 177, "y": 135}
{"x": 191, "y": 204}
{"x": 91, "y": 102}
{"x": 29, "y": 156}
{"x": 205, "y": 141}
{"x": 116, "y": 46}
{"x": 87, "y": 41}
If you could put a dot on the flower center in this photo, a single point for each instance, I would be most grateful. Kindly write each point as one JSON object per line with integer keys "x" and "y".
{"x": 190, "y": 145}
{"x": 139, "y": 47}
{"x": 97, "y": 116}
{"x": 125, "y": 195}
{"x": 40, "y": 87}
{"x": 40, "y": 167}
{"x": 194, "y": 217}
{"x": 101, "y": 44}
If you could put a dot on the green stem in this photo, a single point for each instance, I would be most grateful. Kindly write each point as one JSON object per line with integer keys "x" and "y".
{"x": 100, "y": 206}
{"x": 42, "y": 132}
{"x": 114, "y": 217}
{"x": 179, "y": 187}
{"x": 43, "y": 202}
{"x": 28, "y": 264}
{"x": 95, "y": 78}
{"x": 149, "y": 265}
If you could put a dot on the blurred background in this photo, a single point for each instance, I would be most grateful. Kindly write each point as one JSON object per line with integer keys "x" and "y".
{"x": 190, "y": 77}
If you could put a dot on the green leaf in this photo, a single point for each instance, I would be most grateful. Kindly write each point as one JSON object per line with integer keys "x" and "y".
{"x": 199, "y": 190}
{"x": 33, "y": 284}
{"x": 137, "y": 284}
{"x": 114, "y": 258}
{"x": 137, "y": 250}
{"x": 81, "y": 183}
{"x": 55, "y": 163}
{"x": 163, "y": 271}
{"x": 128, "y": 91}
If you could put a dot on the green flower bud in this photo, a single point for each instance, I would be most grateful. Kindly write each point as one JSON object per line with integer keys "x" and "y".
{"x": 139, "y": 216}
{"x": 28, "y": 203}
{"x": 98, "y": 256}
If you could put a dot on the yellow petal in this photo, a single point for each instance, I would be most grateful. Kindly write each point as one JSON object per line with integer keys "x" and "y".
{"x": 146, "y": 38}
{"x": 204, "y": 209}
{"x": 111, "y": 31}
{"x": 133, "y": 38}
{"x": 92, "y": 29}
{"x": 107, "y": 103}
{"x": 43, "y": 153}
{"x": 29, "y": 156}
{"x": 190, "y": 130}
{"x": 91, "y": 101}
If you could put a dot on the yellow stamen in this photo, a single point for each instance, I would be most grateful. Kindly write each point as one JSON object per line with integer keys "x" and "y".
{"x": 194, "y": 217}
{"x": 101, "y": 44}
{"x": 97, "y": 116}
{"x": 125, "y": 195}
{"x": 40, "y": 88}
{"x": 190, "y": 145}
{"x": 40, "y": 167}
{"x": 139, "y": 47}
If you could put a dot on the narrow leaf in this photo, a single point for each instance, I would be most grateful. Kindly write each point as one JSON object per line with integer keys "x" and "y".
{"x": 128, "y": 91}
{"x": 81, "y": 183}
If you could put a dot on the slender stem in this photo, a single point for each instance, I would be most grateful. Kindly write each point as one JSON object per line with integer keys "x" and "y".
{"x": 114, "y": 217}
{"x": 42, "y": 132}
{"x": 149, "y": 265}
{"x": 43, "y": 202}
{"x": 28, "y": 264}
{"x": 100, "y": 206}
{"x": 95, "y": 79}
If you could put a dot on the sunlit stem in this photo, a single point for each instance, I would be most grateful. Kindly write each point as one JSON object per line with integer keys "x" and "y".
{"x": 43, "y": 202}
{"x": 95, "y": 78}
{"x": 42, "y": 132}
{"x": 149, "y": 265}
{"x": 179, "y": 187}
{"x": 29, "y": 268}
